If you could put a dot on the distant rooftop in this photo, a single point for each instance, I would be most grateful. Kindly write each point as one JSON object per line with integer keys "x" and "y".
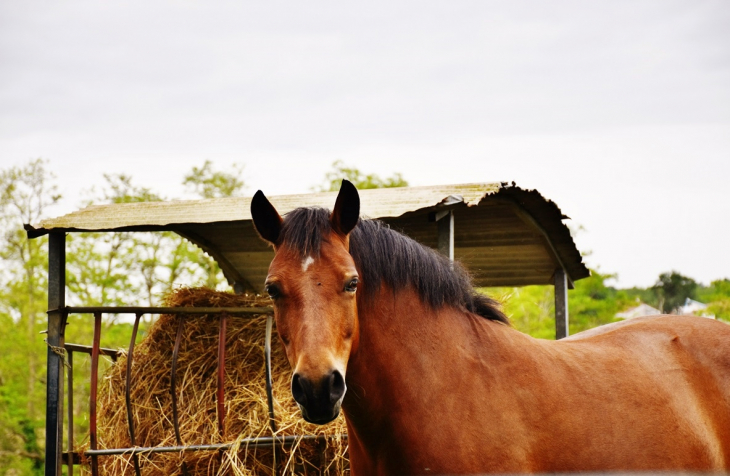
{"x": 642, "y": 310}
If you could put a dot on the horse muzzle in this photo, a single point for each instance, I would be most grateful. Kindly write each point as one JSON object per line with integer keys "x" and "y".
{"x": 319, "y": 401}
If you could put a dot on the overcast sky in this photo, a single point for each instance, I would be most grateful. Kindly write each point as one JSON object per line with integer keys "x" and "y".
{"x": 618, "y": 111}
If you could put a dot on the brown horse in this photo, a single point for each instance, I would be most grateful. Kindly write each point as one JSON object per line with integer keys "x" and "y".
{"x": 432, "y": 379}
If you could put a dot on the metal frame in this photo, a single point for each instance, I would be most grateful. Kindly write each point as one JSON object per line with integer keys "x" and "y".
{"x": 95, "y": 350}
{"x": 60, "y": 354}
{"x": 445, "y": 222}
{"x": 56, "y": 352}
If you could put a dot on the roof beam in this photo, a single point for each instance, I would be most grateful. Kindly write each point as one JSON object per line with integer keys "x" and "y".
{"x": 235, "y": 279}
{"x": 525, "y": 216}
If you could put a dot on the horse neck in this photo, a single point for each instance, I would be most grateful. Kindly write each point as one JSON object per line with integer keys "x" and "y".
{"x": 405, "y": 348}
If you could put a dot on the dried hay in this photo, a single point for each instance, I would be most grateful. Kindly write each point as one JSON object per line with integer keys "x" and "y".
{"x": 245, "y": 399}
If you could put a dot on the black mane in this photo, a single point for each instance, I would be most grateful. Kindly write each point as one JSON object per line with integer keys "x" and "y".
{"x": 384, "y": 255}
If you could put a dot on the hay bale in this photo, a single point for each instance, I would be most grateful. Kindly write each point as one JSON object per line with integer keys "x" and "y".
{"x": 246, "y": 406}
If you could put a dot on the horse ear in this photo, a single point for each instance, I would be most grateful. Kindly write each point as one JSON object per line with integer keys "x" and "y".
{"x": 347, "y": 209}
{"x": 266, "y": 219}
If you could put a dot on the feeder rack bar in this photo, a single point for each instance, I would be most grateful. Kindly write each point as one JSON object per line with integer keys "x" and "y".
{"x": 257, "y": 442}
{"x": 128, "y": 392}
{"x": 96, "y": 350}
{"x": 94, "y": 390}
{"x": 173, "y": 378}
{"x": 165, "y": 310}
{"x": 87, "y": 349}
{"x": 220, "y": 394}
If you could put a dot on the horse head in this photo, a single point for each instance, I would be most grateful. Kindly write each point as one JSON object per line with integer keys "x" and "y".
{"x": 313, "y": 282}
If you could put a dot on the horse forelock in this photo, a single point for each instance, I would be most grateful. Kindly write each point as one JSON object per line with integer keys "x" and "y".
{"x": 385, "y": 256}
{"x": 304, "y": 229}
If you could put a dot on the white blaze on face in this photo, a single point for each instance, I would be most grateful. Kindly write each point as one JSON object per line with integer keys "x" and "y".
{"x": 306, "y": 263}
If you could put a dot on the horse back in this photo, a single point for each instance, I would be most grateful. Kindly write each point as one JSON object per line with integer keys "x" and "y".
{"x": 699, "y": 344}
{"x": 668, "y": 376}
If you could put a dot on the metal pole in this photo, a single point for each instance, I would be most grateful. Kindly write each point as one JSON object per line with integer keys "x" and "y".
{"x": 128, "y": 392}
{"x": 55, "y": 355}
{"x": 445, "y": 224}
{"x": 70, "y": 413}
{"x": 269, "y": 383}
{"x": 255, "y": 442}
{"x": 270, "y": 386}
{"x": 94, "y": 391}
{"x": 221, "y": 393}
{"x": 173, "y": 390}
{"x": 561, "y": 303}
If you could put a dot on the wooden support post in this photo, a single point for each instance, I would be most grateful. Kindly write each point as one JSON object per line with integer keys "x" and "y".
{"x": 561, "y": 303}
{"x": 445, "y": 222}
{"x": 56, "y": 352}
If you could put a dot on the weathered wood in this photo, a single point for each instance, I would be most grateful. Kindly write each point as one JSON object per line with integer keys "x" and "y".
{"x": 231, "y": 273}
{"x": 561, "y": 303}
{"x": 55, "y": 354}
{"x": 512, "y": 282}
{"x": 530, "y": 252}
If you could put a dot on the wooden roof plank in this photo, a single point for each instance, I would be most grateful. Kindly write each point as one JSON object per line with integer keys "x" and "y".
{"x": 501, "y": 231}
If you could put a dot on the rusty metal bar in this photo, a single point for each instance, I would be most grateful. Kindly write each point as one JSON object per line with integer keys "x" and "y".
{"x": 173, "y": 391}
{"x": 173, "y": 381}
{"x": 70, "y": 402}
{"x": 220, "y": 395}
{"x": 269, "y": 385}
{"x": 86, "y": 349}
{"x": 94, "y": 390}
{"x": 166, "y": 310}
{"x": 257, "y": 442}
{"x": 128, "y": 392}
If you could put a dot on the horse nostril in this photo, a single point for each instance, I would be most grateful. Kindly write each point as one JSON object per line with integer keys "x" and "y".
{"x": 297, "y": 390}
{"x": 337, "y": 386}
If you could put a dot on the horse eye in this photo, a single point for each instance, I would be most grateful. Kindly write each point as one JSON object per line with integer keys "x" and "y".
{"x": 273, "y": 291}
{"x": 351, "y": 286}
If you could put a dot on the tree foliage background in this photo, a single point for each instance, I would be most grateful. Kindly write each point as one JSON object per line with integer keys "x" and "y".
{"x": 141, "y": 268}
{"x": 103, "y": 269}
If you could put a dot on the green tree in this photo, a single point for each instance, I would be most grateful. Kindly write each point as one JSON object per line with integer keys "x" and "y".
{"x": 205, "y": 182}
{"x": 531, "y": 309}
{"x": 672, "y": 289}
{"x": 124, "y": 268}
{"x": 717, "y": 298}
{"x": 208, "y": 183}
{"x": 106, "y": 269}
{"x": 102, "y": 269}
{"x": 26, "y": 192}
{"x": 362, "y": 181}
{"x": 718, "y": 289}
{"x": 592, "y": 303}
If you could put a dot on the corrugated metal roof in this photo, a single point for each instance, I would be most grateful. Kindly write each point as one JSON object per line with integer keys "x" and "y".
{"x": 505, "y": 235}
